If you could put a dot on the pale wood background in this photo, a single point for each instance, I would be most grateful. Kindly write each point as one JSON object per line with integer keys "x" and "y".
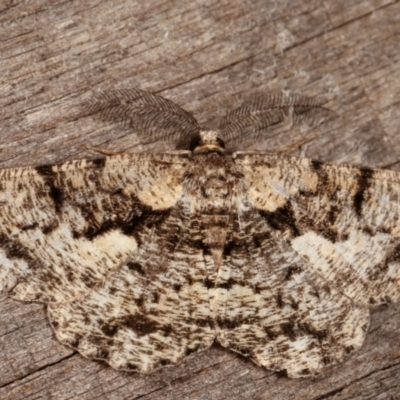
{"x": 206, "y": 55}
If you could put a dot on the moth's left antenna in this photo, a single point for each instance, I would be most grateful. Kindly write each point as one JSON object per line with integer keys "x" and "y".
{"x": 148, "y": 114}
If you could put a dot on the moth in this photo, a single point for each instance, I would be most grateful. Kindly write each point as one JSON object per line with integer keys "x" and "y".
{"x": 142, "y": 259}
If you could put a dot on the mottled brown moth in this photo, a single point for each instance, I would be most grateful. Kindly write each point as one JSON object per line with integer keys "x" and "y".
{"x": 142, "y": 259}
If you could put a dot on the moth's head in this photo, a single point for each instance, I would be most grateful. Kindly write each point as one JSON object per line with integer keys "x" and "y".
{"x": 207, "y": 142}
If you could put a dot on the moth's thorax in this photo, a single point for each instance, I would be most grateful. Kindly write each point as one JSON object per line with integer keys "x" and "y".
{"x": 213, "y": 179}
{"x": 213, "y": 183}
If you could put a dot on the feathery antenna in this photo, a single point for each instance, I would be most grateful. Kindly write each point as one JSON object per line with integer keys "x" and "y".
{"x": 257, "y": 114}
{"x": 146, "y": 113}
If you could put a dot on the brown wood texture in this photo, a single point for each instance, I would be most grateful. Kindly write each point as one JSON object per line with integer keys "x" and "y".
{"x": 205, "y": 55}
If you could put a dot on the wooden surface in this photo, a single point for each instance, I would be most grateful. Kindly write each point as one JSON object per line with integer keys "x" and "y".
{"x": 207, "y": 56}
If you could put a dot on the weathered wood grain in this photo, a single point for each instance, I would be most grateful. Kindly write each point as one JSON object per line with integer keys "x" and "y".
{"x": 207, "y": 56}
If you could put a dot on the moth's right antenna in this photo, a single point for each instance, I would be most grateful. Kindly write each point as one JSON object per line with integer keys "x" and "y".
{"x": 146, "y": 113}
{"x": 256, "y": 115}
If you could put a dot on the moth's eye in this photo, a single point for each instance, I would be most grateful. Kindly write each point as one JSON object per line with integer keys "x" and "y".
{"x": 221, "y": 142}
{"x": 196, "y": 142}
